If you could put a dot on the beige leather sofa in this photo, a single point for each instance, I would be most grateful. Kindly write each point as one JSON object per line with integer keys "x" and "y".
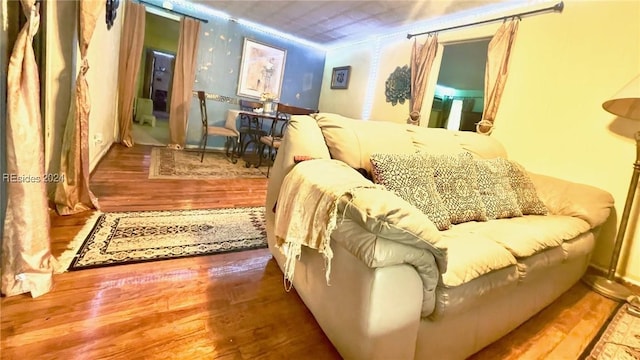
{"x": 401, "y": 289}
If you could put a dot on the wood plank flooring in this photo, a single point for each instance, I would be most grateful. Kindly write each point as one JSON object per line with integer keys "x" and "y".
{"x": 227, "y": 306}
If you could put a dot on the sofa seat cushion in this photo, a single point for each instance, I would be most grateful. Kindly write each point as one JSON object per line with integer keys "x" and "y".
{"x": 454, "y": 300}
{"x": 471, "y": 256}
{"x": 451, "y": 300}
{"x": 353, "y": 141}
{"x": 477, "y": 248}
{"x": 527, "y": 235}
{"x": 580, "y": 246}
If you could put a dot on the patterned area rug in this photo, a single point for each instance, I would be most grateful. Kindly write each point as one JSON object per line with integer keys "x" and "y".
{"x": 619, "y": 338}
{"x": 129, "y": 237}
{"x": 181, "y": 164}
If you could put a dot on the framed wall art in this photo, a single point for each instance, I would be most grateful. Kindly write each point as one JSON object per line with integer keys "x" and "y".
{"x": 261, "y": 70}
{"x": 340, "y": 77}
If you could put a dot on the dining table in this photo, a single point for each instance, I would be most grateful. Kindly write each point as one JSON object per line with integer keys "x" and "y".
{"x": 251, "y": 126}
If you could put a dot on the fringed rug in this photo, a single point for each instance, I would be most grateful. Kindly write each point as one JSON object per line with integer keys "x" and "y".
{"x": 168, "y": 163}
{"x": 130, "y": 237}
{"x": 618, "y": 339}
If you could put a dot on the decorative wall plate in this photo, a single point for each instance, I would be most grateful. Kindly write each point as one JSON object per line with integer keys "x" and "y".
{"x": 398, "y": 85}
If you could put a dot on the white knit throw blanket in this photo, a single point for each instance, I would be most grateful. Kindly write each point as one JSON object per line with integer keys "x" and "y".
{"x": 307, "y": 207}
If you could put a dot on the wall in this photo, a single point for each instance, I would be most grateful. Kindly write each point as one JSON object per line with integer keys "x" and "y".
{"x": 564, "y": 66}
{"x": 351, "y": 101}
{"x": 378, "y": 58}
{"x": 103, "y": 56}
{"x": 62, "y": 69}
{"x": 218, "y": 65}
{"x": 567, "y": 66}
{"x": 59, "y": 78}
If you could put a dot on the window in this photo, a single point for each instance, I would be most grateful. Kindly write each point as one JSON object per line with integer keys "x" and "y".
{"x": 459, "y": 95}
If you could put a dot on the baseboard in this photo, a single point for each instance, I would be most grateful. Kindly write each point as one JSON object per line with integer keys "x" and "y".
{"x": 196, "y": 147}
{"x": 624, "y": 280}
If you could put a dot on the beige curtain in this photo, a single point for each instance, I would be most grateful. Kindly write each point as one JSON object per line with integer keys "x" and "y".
{"x": 131, "y": 44}
{"x": 422, "y": 57}
{"x": 27, "y": 264}
{"x": 183, "y": 79}
{"x": 497, "y": 69}
{"x": 73, "y": 195}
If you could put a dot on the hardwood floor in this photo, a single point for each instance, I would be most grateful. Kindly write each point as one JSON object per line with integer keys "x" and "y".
{"x": 227, "y": 306}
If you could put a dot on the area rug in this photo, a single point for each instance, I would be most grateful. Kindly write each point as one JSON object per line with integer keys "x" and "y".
{"x": 130, "y": 237}
{"x": 618, "y": 339}
{"x": 168, "y": 163}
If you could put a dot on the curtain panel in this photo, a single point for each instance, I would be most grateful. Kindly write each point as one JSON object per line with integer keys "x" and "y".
{"x": 447, "y": 102}
{"x": 73, "y": 195}
{"x": 497, "y": 70}
{"x": 131, "y": 44}
{"x": 422, "y": 57}
{"x": 27, "y": 264}
{"x": 183, "y": 80}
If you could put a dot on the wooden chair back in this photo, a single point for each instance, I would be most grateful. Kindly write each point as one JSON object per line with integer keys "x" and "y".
{"x": 248, "y": 105}
{"x": 283, "y": 115}
{"x": 203, "y": 109}
{"x": 294, "y": 110}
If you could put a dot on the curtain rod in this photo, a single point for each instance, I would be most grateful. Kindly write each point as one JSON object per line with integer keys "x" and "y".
{"x": 173, "y": 11}
{"x": 556, "y": 8}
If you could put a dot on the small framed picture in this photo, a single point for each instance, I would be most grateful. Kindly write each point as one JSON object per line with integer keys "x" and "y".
{"x": 340, "y": 77}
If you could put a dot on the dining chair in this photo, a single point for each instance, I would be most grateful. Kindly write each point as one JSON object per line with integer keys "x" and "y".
{"x": 231, "y": 142}
{"x": 273, "y": 139}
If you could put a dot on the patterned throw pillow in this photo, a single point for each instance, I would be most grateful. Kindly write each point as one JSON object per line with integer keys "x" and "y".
{"x": 528, "y": 200}
{"x": 456, "y": 180}
{"x": 497, "y": 194}
{"x": 410, "y": 176}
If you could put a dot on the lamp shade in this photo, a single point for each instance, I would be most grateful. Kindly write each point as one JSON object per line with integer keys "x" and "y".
{"x": 626, "y": 103}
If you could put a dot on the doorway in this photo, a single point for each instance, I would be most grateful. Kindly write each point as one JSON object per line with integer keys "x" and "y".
{"x": 158, "y": 80}
{"x": 155, "y": 92}
{"x": 155, "y": 78}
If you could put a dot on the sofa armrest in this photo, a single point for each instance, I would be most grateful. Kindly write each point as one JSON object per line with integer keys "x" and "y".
{"x": 375, "y": 251}
{"x": 384, "y": 214}
{"x": 563, "y": 197}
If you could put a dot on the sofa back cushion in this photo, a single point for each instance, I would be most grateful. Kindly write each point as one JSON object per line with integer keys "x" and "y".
{"x": 434, "y": 141}
{"x": 353, "y": 141}
{"x": 442, "y": 141}
{"x": 480, "y": 146}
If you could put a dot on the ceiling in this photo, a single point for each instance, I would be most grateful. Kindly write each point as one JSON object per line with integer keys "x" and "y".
{"x": 330, "y": 22}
